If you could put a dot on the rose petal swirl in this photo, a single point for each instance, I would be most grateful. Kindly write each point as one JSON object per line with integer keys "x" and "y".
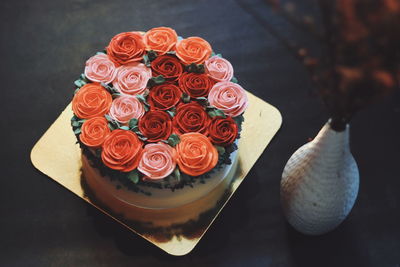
{"x": 191, "y": 117}
{"x": 126, "y": 47}
{"x": 100, "y": 68}
{"x": 195, "y": 154}
{"x": 122, "y": 150}
{"x": 94, "y": 131}
{"x": 222, "y": 131}
{"x": 195, "y": 84}
{"x": 132, "y": 79}
{"x": 156, "y": 125}
{"x": 126, "y": 107}
{"x": 91, "y": 100}
{"x": 158, "y": 161}
{"x": 161, "y": 40}
{"x": 164, "y": 96}
{"x": 168, "y": 66}
{"x": 193, "y": 50}
{"x": 229, "y": 97}
{"x": 219, "y": 68}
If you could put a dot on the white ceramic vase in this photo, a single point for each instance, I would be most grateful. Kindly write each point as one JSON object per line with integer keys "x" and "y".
{"x": 320, "y": 183}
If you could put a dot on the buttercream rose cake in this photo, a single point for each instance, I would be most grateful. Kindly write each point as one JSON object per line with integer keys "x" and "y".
{"x": 158, "y": 111}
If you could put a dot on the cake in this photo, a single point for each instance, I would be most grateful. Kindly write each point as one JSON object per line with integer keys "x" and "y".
{"x": 158, "y": 119}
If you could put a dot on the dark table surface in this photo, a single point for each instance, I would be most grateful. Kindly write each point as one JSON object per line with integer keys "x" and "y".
{"x": 43, "y": 48}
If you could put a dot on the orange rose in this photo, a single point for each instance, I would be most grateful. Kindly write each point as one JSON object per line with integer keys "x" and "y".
{"x": 126, "y": 47}
{"x": 122, "y": 150}
{"x": 94, "y": 132}
{"x": 195, "y": 154}
{"x": 161, "y": 39}
{"x": 193, "y": 50}
{"x": 91, "y": 100}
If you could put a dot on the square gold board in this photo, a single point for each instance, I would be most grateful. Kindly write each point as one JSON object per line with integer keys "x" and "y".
{"x": 57, "y": 155}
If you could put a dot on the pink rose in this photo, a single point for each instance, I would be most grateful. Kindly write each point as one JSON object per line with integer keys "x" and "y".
{"x": 219, "y": 68}
{"x": 158, "y": 161}
{"x": 132, "y": 79}
{"x": 100, "y": 69}
{"x": 229, "y": 97}
{"x": 126, "y": 107}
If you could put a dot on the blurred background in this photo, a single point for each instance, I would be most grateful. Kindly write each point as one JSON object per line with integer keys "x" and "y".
{"x": 44, "y": 45}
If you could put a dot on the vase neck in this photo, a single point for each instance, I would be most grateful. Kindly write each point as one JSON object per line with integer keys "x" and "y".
{"x": 329, "y": 138}
{"x": 338, "y": 124}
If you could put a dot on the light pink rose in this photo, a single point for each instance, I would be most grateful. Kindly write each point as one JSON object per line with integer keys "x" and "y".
{"x": 158, "y": 161}
{"x": 132, "y": 79}
{"x": 100, "y": 69}
{"x": 126, "y": 107}
{"x": 229, "y": 97}
{"x": 219, "y": 68}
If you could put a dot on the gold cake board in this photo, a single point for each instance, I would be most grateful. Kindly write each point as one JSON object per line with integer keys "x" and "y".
{"x": 57, "y": 155}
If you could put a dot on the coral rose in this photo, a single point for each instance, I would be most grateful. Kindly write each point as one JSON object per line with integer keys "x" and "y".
{"x": 164, "y": 96}
{"x": 100, "y": 69}
{"x": 194, "y": 84}
{"x": 94, "y": 131}
{"x": 91, "y": 100}
{"x": 122, "y": 150}
{"x": 229, "y": 97}
{"x": 191, "y": 117}
{"x": 161, "y": 39}
{"x": 193, "y": 50}
{"x": 219, "y": 68}
{"x": 126, "y": 47}
{"x": 126, "y": 107}
{"x": 222, "y": 131}
{"x": 168, "y": 66}
{"x": 132, "y": 79}
{"x": 156, "y": 125}
{"x": 158, "y": 161}
{"x": 195, "y": 154}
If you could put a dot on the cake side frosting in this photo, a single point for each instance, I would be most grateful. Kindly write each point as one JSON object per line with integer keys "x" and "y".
{"x": 158, "y": 198}
{"x": 163, "y": 208}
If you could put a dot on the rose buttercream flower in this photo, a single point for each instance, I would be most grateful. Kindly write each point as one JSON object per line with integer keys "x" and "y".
{"x": 168, "y": 66}
{"x": 132, "y": 79}
{"x": 219, "y": 68}
{"x": 122, "y": 150}
{"x": 222, "y": 131}
{"x": 126, "y": 107}
{"x": 157, "y": 161}
{"x": 164, "y": 96}
{"x": 193, "y": 50}
{"x": 94, "y": 131}
{"x": 195, "y": 84}
{"x": 126, "y": 47}
{"x": 156, "y": 125}
{"x": 91, "y": 100}
{"x": 195, "y": 154}
{"x": 191, "y": 117}
{"x": 229, "y": 97}
{"x": 100, "y": 68}
{"x": 161, "y": 39}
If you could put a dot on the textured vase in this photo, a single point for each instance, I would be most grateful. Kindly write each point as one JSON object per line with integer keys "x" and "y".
{"x": 320, "y": 183}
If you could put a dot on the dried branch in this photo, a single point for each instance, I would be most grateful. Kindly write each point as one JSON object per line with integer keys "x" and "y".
{"x": 362, "y": 61}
